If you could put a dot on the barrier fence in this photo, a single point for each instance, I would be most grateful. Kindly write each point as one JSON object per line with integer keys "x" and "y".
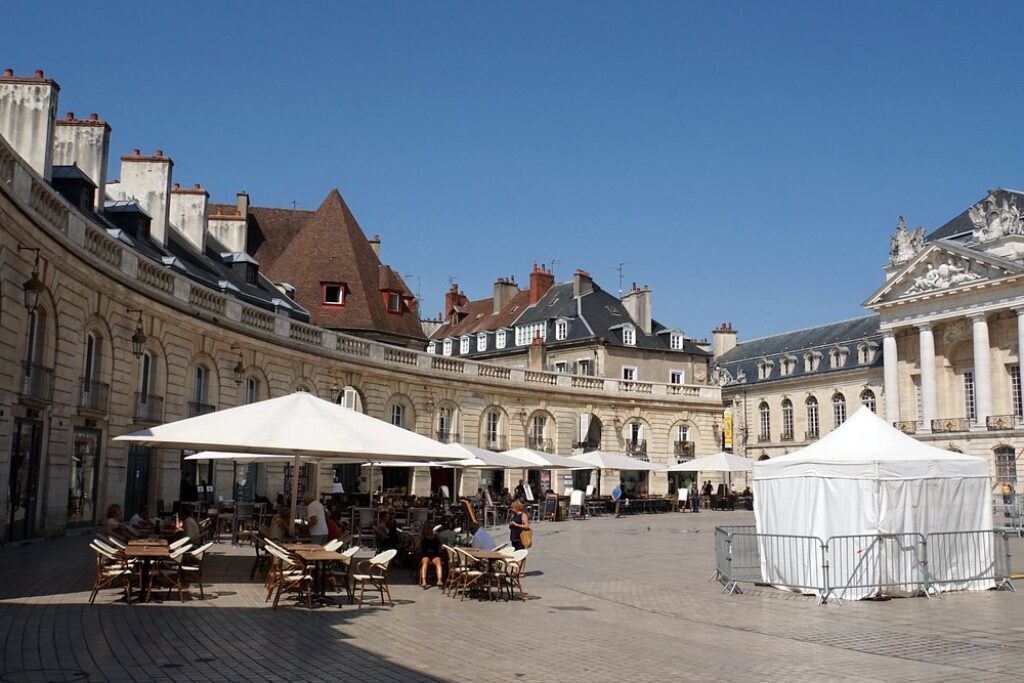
{"x": 866, "y": 565}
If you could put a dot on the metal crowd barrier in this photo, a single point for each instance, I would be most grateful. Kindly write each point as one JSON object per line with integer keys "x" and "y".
{"x": 857, "y": 566}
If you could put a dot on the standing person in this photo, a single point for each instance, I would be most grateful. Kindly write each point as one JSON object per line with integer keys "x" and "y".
{"x": 316, "y": 517}
{"x": 430, "y": 554}
{"x": 694, "y": 497}
{"x": 517, "y": 521}
{"x": 520, "y": 492}
{"x": 617, "y": 497}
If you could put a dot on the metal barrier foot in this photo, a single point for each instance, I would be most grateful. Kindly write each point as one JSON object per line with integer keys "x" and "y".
{"x": 732, "y": 588}
{"x": 1006, "y": 585}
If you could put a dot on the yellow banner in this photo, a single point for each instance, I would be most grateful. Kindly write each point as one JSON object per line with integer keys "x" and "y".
{"x": 727, "y": 428}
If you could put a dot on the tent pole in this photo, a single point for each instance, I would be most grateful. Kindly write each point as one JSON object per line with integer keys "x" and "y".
{"x": 295, "y": 494}
{"x": 234, "y": 517}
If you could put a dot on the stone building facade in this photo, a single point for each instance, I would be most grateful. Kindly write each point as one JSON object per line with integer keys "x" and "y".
{"x": 120, "y": 338}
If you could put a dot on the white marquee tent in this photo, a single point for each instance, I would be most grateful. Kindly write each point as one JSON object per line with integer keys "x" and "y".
{"x": 867, "y": 478}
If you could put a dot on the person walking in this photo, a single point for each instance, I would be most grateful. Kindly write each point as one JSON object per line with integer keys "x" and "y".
{"x": 617, "y": 497}
{"x": 518, "y": 521}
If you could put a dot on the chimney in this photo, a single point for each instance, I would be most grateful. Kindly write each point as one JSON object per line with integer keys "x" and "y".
{"x": 375, "y": 245}
{"x": 637, "y": 303}
{"x": 242, "y": 199}
{"x": 189, "y": 214}
{"x": 28, "y": 106}
{"x": 537, "y": 354}
{"x": 147, "y": 179}
{"x": 231, "y": 229}
{"x": 504, "y": 290}
{"x": 582, "y": 283}
{"x": 85, "y": 142}
{"x": 541, "y": 280}
{"x": 723, "y": 339}
{"x": 452, "y": 298}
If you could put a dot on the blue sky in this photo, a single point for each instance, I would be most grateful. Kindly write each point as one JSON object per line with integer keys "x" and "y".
{"x": 746, "y": 160}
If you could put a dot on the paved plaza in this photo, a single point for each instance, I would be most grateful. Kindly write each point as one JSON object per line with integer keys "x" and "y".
{"x": 609, "y": 600}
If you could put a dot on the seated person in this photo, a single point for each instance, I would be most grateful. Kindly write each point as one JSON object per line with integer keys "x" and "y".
{"x": 387, "y": 533}
{"x": 430, "y": 555}
{"x": 478, "y": 498}
{"x": 506, "y": 497}
{"x": 190, "y": 527}
{"x": 141, "y": 522}
{"x": 114, "y": 527}
{"x": 747, "y": 493}
{"x": 278, "y": 530}
{"x": 446, "y": 534}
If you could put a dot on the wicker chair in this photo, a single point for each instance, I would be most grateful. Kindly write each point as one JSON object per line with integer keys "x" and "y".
{"x": 373, "y": 573}
{"x": 111, "y": 569}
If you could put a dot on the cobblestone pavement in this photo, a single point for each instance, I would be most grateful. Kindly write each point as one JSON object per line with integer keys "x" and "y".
{"x": 609, "y": 600}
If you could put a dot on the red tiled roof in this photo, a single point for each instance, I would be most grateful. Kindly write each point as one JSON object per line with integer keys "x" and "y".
{"x": 480, "y": 317}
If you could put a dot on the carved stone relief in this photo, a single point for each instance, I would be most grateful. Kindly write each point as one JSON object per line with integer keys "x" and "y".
{"x": 942, "y": 272}
{"x": 904, "y": 245}
{"x": 994, "y": 218}
{"x": 955, "y": 331}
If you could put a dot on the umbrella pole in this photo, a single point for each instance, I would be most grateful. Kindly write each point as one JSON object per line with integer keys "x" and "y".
{"x": 295, "y": 493}
{"x": 234, "y": 517}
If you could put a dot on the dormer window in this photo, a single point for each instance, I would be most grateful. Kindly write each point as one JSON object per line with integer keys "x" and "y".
{"x": 499, "y": 339}
{"x": 629, "y": 335}
{"x": 333, "y": 293}
{"x": 432, "y": 347}
{"x": 676, "y": 341}
{"x": 787, "y": 365}
{"x": 394, "y": 302}
{"x": 464, "y": 345}
{"x": 866, "y": 352}
{"x": 561, "y": 330}
{"x": 447, "y": 347}
{"x": 837, "y": 356}
{"x": 252, "y": 273}
{"x": 812, "y": 359}
{"x": 481, "y": 341}
{"x": 764, "y": 368}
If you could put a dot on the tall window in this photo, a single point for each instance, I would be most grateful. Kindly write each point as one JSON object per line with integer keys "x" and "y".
{"x": 91, "y": 369}
{"x": 444, "y": 423}
{"x": 499, "y": 339}
{"x": 145, "y": 375}
{"x": 629, "y": 373}
{"x": 432, "y": 347}
{"x": 682, "y": 433}
{"x": 787, "y": 420}
{"x": 537, "y": 428}
{"x": 838, "y": 410}
{"x": 36, "y": 328}
{"x": 398, "y": 414}
{"x": 561, "y": 330}
{"x": 970, "y": 409}
{"x": 813, "y": 419}
{"x": 1015, "y": 396}
{"x": 867, "y": 398}
{"x": 629, "y": 335}
{"x": 1006, "y": 465}
{"x": 464, "y": 345}
{"x": 252, "y": 390}
{"x": 766, "y": 422}
{"x": 491, "y": 426}
{"x": 585, "y": 367}
{"x": 199, "y": 385}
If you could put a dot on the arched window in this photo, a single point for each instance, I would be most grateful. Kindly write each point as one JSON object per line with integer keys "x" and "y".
{"x": 813, "y": 419}
{"x": 492, "y": 431}
{"x": 94, "y": 392}
{"x": 538, "y": 428}
{"x": 252, "y": 390}
{"x": 838, "y": 410}
{"x": 766, "y": 422}
{"x": 1006, "y": 465}
{"x": 787, "y": 420}
{"x": 200, "y": 391}
{"x": 867, "y": 398}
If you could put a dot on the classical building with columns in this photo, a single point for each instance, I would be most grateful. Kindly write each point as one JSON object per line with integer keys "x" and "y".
{"x": 119, "y": 311}
{"x": 939, "y": 356}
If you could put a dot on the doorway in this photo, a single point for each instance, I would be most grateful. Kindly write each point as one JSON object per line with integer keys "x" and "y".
{"x": 24, "y": 480}
{"x": 136, "y": 487}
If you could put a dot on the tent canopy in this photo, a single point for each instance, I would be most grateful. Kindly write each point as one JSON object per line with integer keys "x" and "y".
{"x": 242, "y": 458}
{"x": 603, "y": 460}
{"x": 718, "y": 462}
{"x": 298, "y": 423}
{"x": 539, "y": 459}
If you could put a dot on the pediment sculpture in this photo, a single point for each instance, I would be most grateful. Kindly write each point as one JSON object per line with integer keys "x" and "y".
{"x": 994, "y": 218}
{"x": 904, "y": 245}
{"x": 721, "y": 377}
{"x": 943, "y": 274}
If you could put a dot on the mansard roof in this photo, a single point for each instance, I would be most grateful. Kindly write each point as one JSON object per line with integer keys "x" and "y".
{"x": 742, "y": 361}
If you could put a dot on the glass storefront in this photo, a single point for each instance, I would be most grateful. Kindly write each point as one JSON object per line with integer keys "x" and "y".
{"x": 85, "y": 466}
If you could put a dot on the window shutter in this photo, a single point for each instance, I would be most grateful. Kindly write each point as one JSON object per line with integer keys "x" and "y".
{"x": 584, "y": 426}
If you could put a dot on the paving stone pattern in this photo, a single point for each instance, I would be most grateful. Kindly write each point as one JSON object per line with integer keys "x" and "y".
{"x": 609, "y": 600}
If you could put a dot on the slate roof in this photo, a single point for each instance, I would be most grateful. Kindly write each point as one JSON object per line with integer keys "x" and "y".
{"x": 961, "y": 224}
{"x": 744, "y": 358}
{"x": 306, "y": 248}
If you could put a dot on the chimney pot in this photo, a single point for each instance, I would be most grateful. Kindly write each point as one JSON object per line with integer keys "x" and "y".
{"x": 159, "y": 153}
{"x": 196, "y": 186}
{"x": 177, "y": 186}
{"x": 39, "y": 73}
{"x": 8, "y": 73}
{"x": 70, "y": 116}
{"x": 136, "y": 152}
{"x": 94, "y": 116}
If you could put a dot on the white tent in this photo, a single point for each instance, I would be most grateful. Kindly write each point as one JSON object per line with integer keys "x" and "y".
{"x": 867, "y": 478}
{"x": 717, "y": 462}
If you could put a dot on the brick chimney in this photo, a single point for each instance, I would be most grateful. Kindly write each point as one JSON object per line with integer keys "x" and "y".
{"x": 723, "y": 339}
{"x": 505, "y": 288}
{"x": 537, "y": 354}
{"x": 189, "y": 214}
{"x": 582, "y": 283}
{"x": 637, "y": 303}
{"x": 541, "y": 280}
{"x": 452, "y": 298}
{"x": 28, "y": 106}
{"x": 375, "y": 245}
{"x": 85, "y": 142}
{"x": 147, "y": 179}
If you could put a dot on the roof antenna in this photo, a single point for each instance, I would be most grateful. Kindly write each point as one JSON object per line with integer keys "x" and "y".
{"x": 551, "y": 268}
{"x": 295, "y": 205}
{"x": 620, "y": 267}
{"x": 451, "y": 280}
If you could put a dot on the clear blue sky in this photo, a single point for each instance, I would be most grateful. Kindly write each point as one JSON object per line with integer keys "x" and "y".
{"x": 747, "y": 160}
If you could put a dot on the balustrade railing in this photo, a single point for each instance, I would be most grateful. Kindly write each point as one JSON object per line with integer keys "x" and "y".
{"x": 195, "y": 409}
{"x": 952, "y": 424}
{"x": 786, "y": 436}
{"x": 36, "y": 382}
{"x": 538, "y": 443}
{"x": 997, "y": 422}
{"x": 907, "y": 426}
{"x": 496, "y": 443}
{"x": 447, "y": 437}
{"x": 684, "y": 448}
{"x": 811, "y": 435}
{"x": 148, "y": 407}
{"x": 638, "y": 447}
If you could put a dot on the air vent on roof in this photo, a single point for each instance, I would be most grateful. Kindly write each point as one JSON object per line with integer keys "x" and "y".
{"x": 553, "y": 301}
{"x": 611, "y": 310}
{"x": 515, "y": 308}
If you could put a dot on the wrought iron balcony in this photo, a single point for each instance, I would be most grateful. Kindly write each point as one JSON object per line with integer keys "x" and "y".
{"x": 638, "y": 447}
{"x": 684, "y": 449}
{"x": 196, "y": 409}
{"x": 93, "y": 396}
{"x": 952, "y": 424}
{"x": 811, "y": 435}
{"x": 148, "y": 407}
{"x": 787, "y": 436}
{"x": 496, "y": 443}
{"x": 764, "y": 438}
{"x": 997, "y": 422}
{"x": 539, "y": 443}
{"x": 586, "y": 446}
{"x": 37, "y": 382}
{"x": 907, "y": 426}
{"x": 447, "y": 437}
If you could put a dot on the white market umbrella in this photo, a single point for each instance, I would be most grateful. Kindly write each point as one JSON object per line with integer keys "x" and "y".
{"x": 539, "y": 459}
{"x": 719, "y": 462}
{"x": 603, "y": 460}
{"x": 298, "y": 424}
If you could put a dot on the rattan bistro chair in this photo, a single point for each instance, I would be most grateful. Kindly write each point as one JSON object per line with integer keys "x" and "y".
{"x": 192, "y": 566}
{"x": 374, "y": 573}
{"x": 288, "y": 575}
{"x": 170, "y": 573}
{"x": 111, "y": 569}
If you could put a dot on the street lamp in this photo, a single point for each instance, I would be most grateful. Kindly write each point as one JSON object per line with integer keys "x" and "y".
{"x": 139, "y": 337}
{"x": 33, "y": 286}
{"x": 238, "y": 372}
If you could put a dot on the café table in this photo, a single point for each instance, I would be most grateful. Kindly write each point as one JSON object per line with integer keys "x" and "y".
{"x": 488, "y": 556}
{"x": 147, "y": 552}
{"x": 321, "y": 559}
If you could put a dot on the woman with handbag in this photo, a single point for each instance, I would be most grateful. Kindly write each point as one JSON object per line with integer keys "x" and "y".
{"x": 520, "y": 534}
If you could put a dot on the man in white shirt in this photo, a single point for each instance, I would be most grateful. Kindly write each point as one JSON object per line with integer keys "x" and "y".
{"x": 316, "y": 517}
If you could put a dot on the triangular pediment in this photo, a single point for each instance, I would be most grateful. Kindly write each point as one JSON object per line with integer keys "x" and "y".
{"x": 942, "y": 267}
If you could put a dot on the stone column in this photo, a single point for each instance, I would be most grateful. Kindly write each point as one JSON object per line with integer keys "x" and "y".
{"x": 929, "y": 400}
{"x": 892, "y": 378}
{"x": 982, "y": 370}
{"x": 1020, "y": 344}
